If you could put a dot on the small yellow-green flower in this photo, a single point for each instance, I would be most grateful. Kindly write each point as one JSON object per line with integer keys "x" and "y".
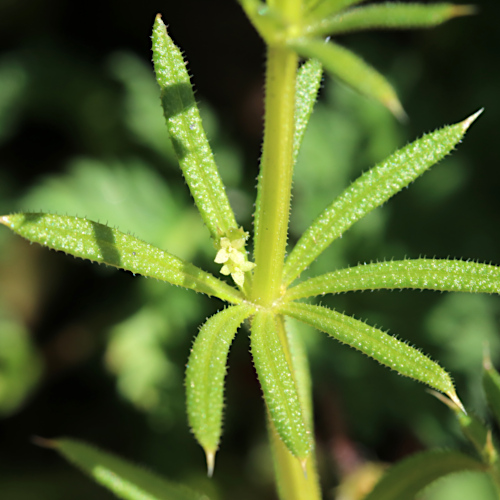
{"x": 232, "y": 254}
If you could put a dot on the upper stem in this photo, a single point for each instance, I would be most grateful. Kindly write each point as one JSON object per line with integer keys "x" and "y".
{"x": 275, "y": 179}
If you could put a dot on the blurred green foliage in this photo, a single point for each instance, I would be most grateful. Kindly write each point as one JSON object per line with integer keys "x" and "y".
{"x": 99, "y": 355}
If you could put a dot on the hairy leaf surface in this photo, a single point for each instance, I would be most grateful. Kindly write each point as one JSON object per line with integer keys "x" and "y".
{"x": 423, "y": 274}
{"x": 205, "y": 374}
{"x": 307, "y": 86}
{"x": 384, "y": 348}
{"x": 188, "y": 136}
{"x": 274, "y": 368}
{"x": 371, "y": 190}
{"x": 99, "y": 243}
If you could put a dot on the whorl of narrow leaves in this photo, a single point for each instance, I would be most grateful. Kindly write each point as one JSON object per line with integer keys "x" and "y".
{"x": 387, "y": 16}
{"x": 127, "y": 481}
{"x": 424, "y": 274}
{"x": 371, "y": 190}
{"x": 407, "y": 478}
{"x": 205, "y": 373}
{"x": 277, "y": 379}
{"x": 99, "y": 243}
{"x": 384, "y": 348}
{"x": 187, "y": 134}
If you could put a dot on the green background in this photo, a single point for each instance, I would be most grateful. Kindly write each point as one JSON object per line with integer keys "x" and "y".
{"x": 98, "y": 354}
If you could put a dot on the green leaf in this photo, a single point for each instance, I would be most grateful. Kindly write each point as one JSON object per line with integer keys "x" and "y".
{"x": 387, "y": 16}
{"x": 205, "y": 373}
{"x": 187, "y": 135}
{"x": 307, "y": 87}
{"x": 125, "y": 480}
{"x": 384, "y": 348}
{"x": 424, "y": 274}
{"x": 350, "y": 69}
{"x": 491, "y": 386}
{"x": 478, "y": 434}
{"x": 265, "y": 19}
{"x": 371, "y": 190}
{"x": 99, "y": 243}
{"x": 299, "y": 484}
{"x": 407, "y": 478}
{"x": 273, "y": 363}
{"x": 300, "y": 367}
{"x": 319, "y": 9}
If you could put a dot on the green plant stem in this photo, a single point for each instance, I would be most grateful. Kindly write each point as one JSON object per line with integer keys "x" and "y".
{"x": 275, "y": 180}
{"x": 292, "y": 480}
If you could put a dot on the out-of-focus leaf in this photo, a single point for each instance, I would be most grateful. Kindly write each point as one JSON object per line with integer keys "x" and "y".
{"x": 143, "y": 116}
{"x": 13, "y": 81}
{"x": 407, "y": 478}
{"x": 478, "y": 434}
{"x": 123, "y": 194}
{"x": 390, "y": 15}
{"x": 352, "y": 70}
{"x": 491, "y": 386}
{"x": 319, "y": 9}
{"x": 125, "y": 480}
{"x": 20, "y": 366}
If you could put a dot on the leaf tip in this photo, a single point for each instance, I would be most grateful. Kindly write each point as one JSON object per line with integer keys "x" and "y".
{"x": 450, "y": 400}
{"x": 210, "y": 462}
{"x": 463, "y": 10}
{"x": 471, "y": 119}
{"x": 4, "y": 219}
{"x": 303, "y": 465}
{"x": 487, "y": 364}
{"x": 44, "y": 442}
{"x": 453, "y": 396}
{"x": 395, "y": 107}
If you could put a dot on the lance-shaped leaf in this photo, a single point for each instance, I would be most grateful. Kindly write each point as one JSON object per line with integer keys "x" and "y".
{"x": 371, "y": 190}
{"x": 205, "y": 373}
{"x": 273, "y": 364}
{"x": 86, "y": 239}
{"x": 350, "y": 69}
{"x": 319, "y": 9}
{"x": 491, "y": 386}
{"x": 187, "y": 135}
{"x": 307, "y": 86}
{"x": 387, "y": 16}
{"x": 407, "y": 478}
{"x": 126, "y": 480}
{"x": 384, "y": 348}
{"x": 424, "y": 274}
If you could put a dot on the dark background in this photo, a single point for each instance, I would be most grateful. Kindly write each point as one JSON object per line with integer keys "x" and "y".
{"x": 66, "y": 131}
